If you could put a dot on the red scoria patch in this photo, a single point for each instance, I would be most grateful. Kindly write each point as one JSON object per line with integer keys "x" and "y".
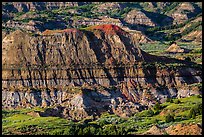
{"x": 109, "y": 29}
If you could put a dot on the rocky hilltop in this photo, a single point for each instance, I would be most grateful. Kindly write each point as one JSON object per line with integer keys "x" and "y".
{"x": 36, "y": 17}
{"x": 138, "y": 17}
{"x": 35, "y": 6}
{"x": 89, "y": 71}
{"x": 179, "y": 129}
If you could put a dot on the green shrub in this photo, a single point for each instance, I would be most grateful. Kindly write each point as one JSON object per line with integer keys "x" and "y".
{"x": 103, "y": 122}
{"x": 169, "y": 100}
{"x": 121, "y": 130}
{"x": 157, "y": 107}
{"x": 82, "y": 132}
{"x": 192, "y": 113}
{"x": 155, "y": 120}
{"x": 150, "y": 113}
{"x": 171, "y": 7}
{"x": 198, "y": 108}
{"x": 86, "y": 131}
{"x": 109, "y": 130}
{"x": 187, "y": 59}
{"x": 146, "y": 113}
{"x": 169, "y": 118}
{"x": 92, "y": 130}
{"x": 57, "y": 132}
{"x": 69, "y": 130}
{"x": 199, "y": 96}
{"x": 113, "y": 88}
{"x": 195, "y": 110}
{"x": 177, "y": 101}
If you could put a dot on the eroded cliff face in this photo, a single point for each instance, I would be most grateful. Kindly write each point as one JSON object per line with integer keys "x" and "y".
{"x": 67, "y": 55}
{"x": 182, "y": 12}
{"x": 78, "y": 102}
{"x": 76, "y": 69}
{"x": 106, "y": 7}
{"x": 71, "y": 102}
{"x": 138, "y": 17}
{"x": 37, "y": 6}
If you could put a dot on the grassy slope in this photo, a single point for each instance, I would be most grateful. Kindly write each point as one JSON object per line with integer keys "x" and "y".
{"x": 159, "y": 48}
{"x": 17, "y": 122}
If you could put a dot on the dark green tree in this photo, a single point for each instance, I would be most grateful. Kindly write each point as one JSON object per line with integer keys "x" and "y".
{"x": 177, "y": 101}
{"x": 169, "y": 118}
{"x": 192, "y": 113}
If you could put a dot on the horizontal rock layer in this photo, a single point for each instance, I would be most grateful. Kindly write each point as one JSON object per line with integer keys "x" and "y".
{"x": 55, "y": 68}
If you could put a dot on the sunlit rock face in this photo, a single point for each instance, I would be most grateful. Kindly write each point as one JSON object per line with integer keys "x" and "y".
{"x": 77, "y": 68}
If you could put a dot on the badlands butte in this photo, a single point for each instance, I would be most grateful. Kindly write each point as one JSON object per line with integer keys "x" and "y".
{"x": 84, "y": 72}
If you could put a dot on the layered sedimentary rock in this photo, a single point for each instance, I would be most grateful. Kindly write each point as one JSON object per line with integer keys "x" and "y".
{"x": 104, "y": 52}
{"x": 55, "y": 68}
{"x": 65, "y": 50}
{"x": 74, "y": 102}
{"x": 138, "y": 17}
{"x": 37, "y": 6}
{"x": 78, "y": 102}
{"x": 99, "y": 21}
{"x": 107, "y": 6}
{"x": 183, "y": 12}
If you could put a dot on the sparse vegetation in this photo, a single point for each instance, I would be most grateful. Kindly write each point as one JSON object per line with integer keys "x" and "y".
{"x": 107, "y": 124}
{"x": 171, "y": 7}
{"x": 169, "y": 118}
{"x": 177, "y": 101}
{"x": 169, "y": 100}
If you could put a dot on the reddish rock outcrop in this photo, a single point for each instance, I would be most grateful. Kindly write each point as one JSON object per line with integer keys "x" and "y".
{"x": 184, "y": 129}
{"x": 178, "y": 129}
